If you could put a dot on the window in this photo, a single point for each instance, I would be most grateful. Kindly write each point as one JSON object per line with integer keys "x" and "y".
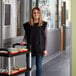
{"x": 48, "y": 10}
{"x": 7, "y": 14}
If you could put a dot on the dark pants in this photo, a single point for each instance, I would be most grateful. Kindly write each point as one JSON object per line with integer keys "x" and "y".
{"x": 38, "y": 65}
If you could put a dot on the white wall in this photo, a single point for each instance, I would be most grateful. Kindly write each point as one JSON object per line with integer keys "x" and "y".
{"x": 10, "y": 30}
{"x": 68, "y": 8}
{"x": 26, "y": 9}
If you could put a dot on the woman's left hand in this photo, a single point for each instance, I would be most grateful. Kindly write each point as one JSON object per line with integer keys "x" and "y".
{"x": 45, "y": 52}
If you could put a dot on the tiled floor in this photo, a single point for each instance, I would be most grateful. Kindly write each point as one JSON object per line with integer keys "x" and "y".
{"x": 60, "y": 66}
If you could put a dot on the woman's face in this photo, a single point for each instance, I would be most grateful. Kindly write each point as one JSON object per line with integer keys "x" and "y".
{"x": 36, "y": 14}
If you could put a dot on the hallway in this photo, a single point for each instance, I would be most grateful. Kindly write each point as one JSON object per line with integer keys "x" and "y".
{"x": 14, "y": 13}
{"x": 60, "y": 66}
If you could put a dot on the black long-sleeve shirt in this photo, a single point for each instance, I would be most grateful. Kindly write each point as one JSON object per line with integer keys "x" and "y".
{"x": 36, "y": 36}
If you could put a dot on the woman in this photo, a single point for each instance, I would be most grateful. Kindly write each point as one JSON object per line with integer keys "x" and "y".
{"x": 35, "y": 35}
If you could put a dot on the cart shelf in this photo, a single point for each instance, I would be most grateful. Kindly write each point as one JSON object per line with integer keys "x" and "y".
{"x": 10, "y": 55}
{"x": 17, "y": 73}
{"x": 13, "y": 54}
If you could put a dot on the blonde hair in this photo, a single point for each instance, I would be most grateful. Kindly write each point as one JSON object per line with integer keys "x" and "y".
{"x": 40, "y": 18}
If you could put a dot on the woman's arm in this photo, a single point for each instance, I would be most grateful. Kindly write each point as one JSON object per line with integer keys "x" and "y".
{"x": 25, "y": 38}
{"x": 45, "y": 51}
{"x": 45, "y": 38}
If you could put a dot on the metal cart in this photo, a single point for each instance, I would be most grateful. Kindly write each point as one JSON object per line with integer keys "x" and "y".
{"x": 6, "y": 53}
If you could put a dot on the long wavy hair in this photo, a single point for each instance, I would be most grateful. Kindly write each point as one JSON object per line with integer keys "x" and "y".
{"x": 40, "y": 18}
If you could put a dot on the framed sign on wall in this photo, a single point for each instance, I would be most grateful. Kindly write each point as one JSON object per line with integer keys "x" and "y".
{"x": 7, "y": 14}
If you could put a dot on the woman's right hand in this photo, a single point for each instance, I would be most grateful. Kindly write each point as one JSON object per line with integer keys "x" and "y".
{"x": 22, "y": 43}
